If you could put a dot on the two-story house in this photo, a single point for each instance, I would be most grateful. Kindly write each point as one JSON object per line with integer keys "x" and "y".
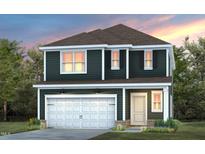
{"x": 107, "y": 76}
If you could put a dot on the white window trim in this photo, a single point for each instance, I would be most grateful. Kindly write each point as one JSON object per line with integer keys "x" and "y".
{"x": 115, "y": 68}
{"x": 148, "y": 68}
{"x": 73, "y": 50}
{"x": 154, "y": 92}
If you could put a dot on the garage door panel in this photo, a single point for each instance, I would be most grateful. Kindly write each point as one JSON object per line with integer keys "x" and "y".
{"x": 89, "y": 124}
{"x": 76, "y": 124}
{"x": 103, "y": 124}
{"x": 81, "y": 113}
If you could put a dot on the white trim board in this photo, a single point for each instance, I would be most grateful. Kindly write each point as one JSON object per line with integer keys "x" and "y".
{"x": 103, "y": 85}
{"x": 80, "y": 96}
{"x": 44, "y": 66}
{"x": 165, "y": 103}
{"x": 103, "y": 64}
{"x": 38, "y": 104}
{"x": 54, "y": 48}
{"x": 167, "y": 62}
{"x": 123, "y": 104}
{"x": 127, "y": 64}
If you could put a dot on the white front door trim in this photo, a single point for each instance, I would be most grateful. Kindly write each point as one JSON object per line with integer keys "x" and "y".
{"x": 138, "y": 94}
{"x": 80, "y": 96}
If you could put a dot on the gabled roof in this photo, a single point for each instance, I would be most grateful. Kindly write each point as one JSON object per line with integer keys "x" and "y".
{"x": 115, "y": 35}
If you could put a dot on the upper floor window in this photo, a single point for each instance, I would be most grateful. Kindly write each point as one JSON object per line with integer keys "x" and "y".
{"x": 157, "y": 101}
{"x": 115, "y": 60}
{"x": 73, "y": 62}
{"x": 148, "y": 60}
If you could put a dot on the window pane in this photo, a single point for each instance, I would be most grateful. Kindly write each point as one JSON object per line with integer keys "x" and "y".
{"x": 79, "y": 56}
{"x": 157, "y": 97}
{"x": 68, "y": 67}
{"x": 79, "y": 67}
{"x": 115, "y": 55}
{"x": 148, "y": 55}
{"x": 148, "y": 63}
{"x": 159, "y": 106}
{"x": 115, "y": 63}
{"x": 67, "y": 57}
{"x": 155, "y": 105}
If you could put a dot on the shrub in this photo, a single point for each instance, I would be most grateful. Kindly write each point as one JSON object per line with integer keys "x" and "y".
{"x": 33, "y": 121}
{"x": 159, "y": 123}
{"x": 170, "y": 123}
{"x": 119, "y": 127}
{"x": 159, "y": 130}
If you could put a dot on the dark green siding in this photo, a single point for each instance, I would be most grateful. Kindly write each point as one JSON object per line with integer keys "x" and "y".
{"x": 94, "y": 67}
{"x": 151, "y": 115}
{"x": 136, "y": 64}
{"x": 77, "y": 91}
{"x": 115, "y": 74}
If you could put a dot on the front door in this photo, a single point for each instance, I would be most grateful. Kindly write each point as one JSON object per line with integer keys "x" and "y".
{"x": 138, "y": 108}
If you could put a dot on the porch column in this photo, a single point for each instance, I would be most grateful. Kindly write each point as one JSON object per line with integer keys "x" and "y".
{"x": 38, "y": 104}
{"x": 123, "y": 103}
{"x": 166, "y": 103}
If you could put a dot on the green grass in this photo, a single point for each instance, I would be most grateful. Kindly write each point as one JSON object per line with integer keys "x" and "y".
{"x": 15, "y": 127}
{"x": 187, "y": 131}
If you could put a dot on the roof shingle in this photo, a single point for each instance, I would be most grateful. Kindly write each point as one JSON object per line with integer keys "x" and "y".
{"x": 118, "y": 34}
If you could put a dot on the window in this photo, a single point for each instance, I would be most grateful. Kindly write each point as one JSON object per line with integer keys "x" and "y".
{"x": 156, "y": 101}
{"x": 115, "y": 60}
{"x": 73, "y": 62}
{"x": 148, "y": 60}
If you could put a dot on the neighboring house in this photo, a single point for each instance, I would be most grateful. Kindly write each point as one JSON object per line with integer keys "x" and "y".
{"x": 104, "y": 77}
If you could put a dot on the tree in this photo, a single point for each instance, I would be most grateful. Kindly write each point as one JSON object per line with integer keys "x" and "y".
{"x": 10, "y": 62}
{"x": 31, "y": 72}
{"x": 189, "y": 85}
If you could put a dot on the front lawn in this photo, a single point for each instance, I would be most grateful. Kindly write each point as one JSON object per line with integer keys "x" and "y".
{"x": 187, "y": 131}
{"x": 15, "y": 127}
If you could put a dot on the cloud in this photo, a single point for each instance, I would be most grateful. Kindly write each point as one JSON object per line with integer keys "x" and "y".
{"x": 146, "y": 24}
{"x": 176, "y": 33}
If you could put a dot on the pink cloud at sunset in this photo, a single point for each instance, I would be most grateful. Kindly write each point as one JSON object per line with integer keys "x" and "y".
{"x": 176, "y": 33}
{"x": 43, "y": 29}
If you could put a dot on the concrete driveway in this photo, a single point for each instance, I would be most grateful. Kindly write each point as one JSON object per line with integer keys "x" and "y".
{"x": 56, "y": 134}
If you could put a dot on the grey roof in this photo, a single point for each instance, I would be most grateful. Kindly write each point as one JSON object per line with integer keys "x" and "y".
{"x": 118, "y": 34}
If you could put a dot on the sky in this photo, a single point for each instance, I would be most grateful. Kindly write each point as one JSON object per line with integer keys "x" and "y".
{"x": 34, "y": 30}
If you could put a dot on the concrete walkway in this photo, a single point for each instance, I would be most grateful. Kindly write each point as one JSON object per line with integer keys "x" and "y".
{"x": 56, "y": 134}
{"x": 134, "y": 129}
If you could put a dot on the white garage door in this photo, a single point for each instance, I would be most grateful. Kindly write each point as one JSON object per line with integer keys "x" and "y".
{"x": 81, "y": 112}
